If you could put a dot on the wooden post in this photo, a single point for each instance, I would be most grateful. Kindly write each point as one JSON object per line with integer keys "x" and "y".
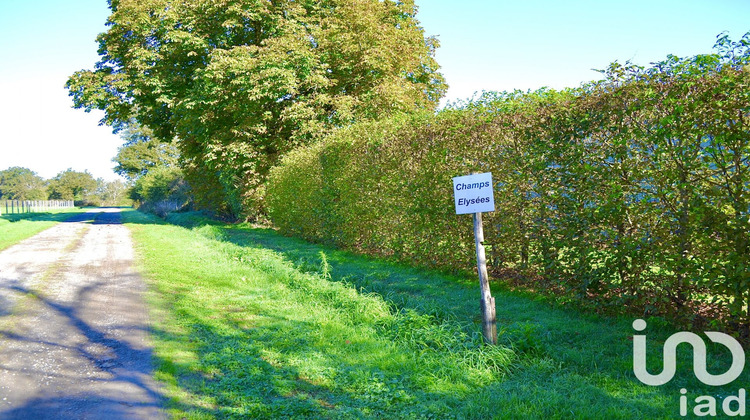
{"x": 489, "y": 324}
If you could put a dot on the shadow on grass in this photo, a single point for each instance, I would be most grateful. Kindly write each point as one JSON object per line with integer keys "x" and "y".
{"x": 575, "y": 365}
{"x": 77, "y": 214}
{"x": 572, "y": 365}
{"x": 38, "y": 217}
{"x": 239, "y": 377}
{"x": 245, "y": 372}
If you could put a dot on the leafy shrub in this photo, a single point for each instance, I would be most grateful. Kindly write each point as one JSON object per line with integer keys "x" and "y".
{"x": 629, "y": 192}
{"x": 162, "y": 190}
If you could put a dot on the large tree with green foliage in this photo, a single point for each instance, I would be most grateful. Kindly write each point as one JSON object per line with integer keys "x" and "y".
{"x": 241, "y": 82}
{"x": 72, "y": 185}
{"x": 18, "y": 183}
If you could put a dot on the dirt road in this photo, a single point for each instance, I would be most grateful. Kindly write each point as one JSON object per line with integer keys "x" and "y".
{"x": 73, "y": 325}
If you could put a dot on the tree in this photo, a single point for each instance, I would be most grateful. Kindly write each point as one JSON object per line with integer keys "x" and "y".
{"x": 161, "y": 184}
{"x": 241, "y": 82}
{"x": 152, "y": 167}
{"x": 72, "y": 185}
{"x": 162, "y": 190}
{"x": 112, "y": 193}
{"x": 142, "y": 152}
{"x": 18, "y": 183}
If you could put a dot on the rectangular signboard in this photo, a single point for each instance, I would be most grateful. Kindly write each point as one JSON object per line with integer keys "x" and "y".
{"x": 474, "y": 193}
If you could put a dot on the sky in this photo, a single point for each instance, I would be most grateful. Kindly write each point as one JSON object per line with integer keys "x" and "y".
{"x": 485, "y": 45}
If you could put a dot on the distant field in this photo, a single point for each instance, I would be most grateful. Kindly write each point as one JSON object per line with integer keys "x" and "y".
{"x": 250, "y": 324}
{"x": 17, "y": 227}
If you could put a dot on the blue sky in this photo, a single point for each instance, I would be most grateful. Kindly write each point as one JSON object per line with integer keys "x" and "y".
{"x": 486, "y": 45}
{"x": 528, "y": 44}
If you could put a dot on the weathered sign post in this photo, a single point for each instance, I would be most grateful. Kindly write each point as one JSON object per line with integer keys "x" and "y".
{"x": 474, "y": 194}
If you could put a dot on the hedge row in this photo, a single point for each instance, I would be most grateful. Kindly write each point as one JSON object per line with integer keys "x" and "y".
{"x": 632, "y": 191}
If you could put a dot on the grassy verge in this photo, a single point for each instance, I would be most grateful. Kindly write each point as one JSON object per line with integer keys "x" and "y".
{"x": 249, "y": 324}
{"x": 16, "y": 227}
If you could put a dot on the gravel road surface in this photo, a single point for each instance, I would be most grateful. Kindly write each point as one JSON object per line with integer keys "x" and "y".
{"x": 73, "y": 325}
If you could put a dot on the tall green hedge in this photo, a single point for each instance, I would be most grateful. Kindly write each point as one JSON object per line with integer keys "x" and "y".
{"x": 633, "y": 191}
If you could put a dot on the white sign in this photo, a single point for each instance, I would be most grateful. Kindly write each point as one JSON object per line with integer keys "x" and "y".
{"x": 473, "y": 193}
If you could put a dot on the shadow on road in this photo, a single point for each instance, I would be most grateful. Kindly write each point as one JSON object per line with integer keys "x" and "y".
{"x": 98, "y": 216}
{"x": 71, "y": 408}
{"x": 119, "y": 359}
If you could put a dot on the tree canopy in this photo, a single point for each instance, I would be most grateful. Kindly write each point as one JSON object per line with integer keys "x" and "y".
{"x": 241, "y": 82}
{"x": 72, "y": 185}
{"x": 18, "y": 183}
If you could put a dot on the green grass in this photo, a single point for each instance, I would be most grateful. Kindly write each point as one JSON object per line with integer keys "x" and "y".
{"x": 250, "y": 324}
{"x": 16, "y": 227}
